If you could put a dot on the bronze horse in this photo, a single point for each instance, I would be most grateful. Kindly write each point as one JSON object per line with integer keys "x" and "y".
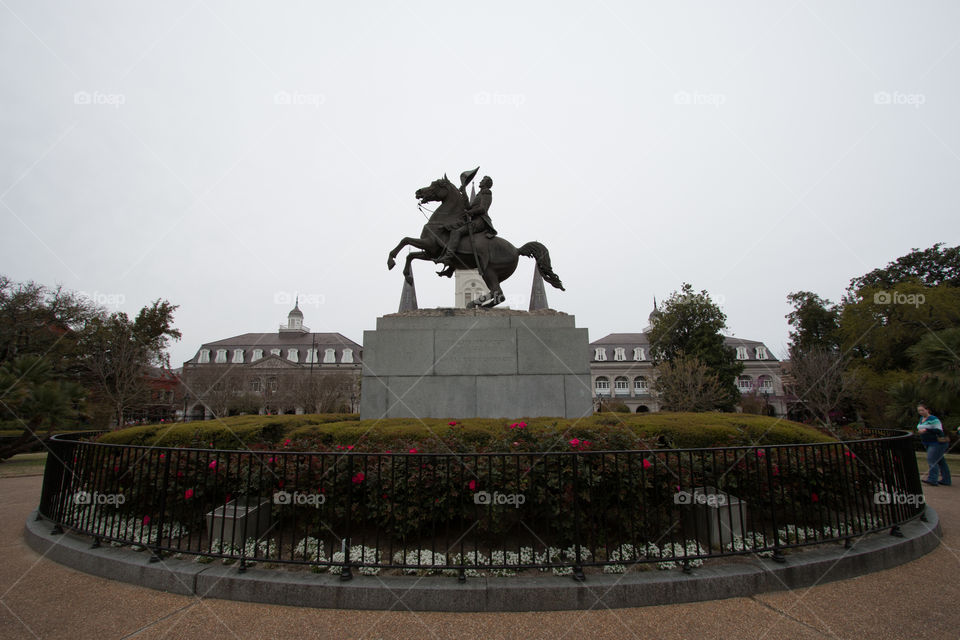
{"x": 495, "y": 258}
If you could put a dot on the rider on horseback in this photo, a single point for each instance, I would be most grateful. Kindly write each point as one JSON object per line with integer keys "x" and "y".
{"x": 476, "y": 219}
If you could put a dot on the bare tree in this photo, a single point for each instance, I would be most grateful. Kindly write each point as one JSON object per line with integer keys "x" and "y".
{"x": 324, "y": 393}
{"x": 687, "y": 384}
{"x": 217, "y": 388}
{"x": 820, "y": 382}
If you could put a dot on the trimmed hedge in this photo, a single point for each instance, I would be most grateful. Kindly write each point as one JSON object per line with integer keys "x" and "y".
{"x": 607, "y": 431}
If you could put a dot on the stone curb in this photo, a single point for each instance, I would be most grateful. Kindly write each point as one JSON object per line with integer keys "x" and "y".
{"x": 546, "y": 593}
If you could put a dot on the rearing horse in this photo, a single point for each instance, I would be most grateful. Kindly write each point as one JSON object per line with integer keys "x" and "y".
{"x": 495, "y": 258}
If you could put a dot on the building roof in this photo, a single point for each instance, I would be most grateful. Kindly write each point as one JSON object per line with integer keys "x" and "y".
{"x": 631, "y": 340}
{"x": 283, "y": 340}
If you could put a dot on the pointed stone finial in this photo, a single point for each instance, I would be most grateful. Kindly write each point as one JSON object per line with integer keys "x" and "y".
{"x": 538, "y": 295}
{"x": 408, "y": 297}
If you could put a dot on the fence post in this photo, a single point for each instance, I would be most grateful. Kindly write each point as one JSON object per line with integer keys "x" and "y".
{"x": 777, "y": 556}
{"x": 578, "y": 564}
{"x": 346, "y": 574}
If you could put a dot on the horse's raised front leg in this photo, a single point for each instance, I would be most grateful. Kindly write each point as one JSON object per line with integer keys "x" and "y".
{"x": 416, "y": 255}
{"x": 415, "y": 242}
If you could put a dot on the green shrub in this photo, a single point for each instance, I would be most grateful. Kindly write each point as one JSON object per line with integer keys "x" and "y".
{"x": 604, "y": 431}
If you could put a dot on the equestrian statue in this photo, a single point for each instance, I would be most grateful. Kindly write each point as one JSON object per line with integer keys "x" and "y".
{"x": 460, "y": 235}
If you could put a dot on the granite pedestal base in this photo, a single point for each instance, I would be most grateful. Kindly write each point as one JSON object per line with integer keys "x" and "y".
{"x": 475, "y": 363}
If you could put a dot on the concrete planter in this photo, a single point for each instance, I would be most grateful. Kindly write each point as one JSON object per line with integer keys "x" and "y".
{"x": 239, "y": 518}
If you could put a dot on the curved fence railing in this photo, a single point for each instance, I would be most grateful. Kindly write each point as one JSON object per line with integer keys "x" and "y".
{"x": 459, "y": 514}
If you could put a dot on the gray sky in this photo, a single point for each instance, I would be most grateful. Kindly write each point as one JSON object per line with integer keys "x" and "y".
{"x": 220, "y": 154}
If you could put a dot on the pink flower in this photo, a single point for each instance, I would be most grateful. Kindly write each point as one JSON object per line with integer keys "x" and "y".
{"x": 452, "y": 423}
{"x": 213, "y": 464}
{"x": 513, "y": 426}
{"x": 412, "y": 451}
{"x": 575, "y": 442}
{"x": 146, "y": 520}
{"x": 339, "y": 447}
{"x": 586, "y": 443}
{"x": 162, "y": 456}
{"x": 516, "y": 444}
{"x": 357, "y": 479}
{"x": 761, "y": 453}
{"x": 270, "y": 461}
{"x": 188, "y": 494}
{"x": 286, "y": 443}
{"x": 522, "y": 425}
{"x": 647, "y": 464}
{"x": 349, "y": 447}
{"x": 850, "y": 454}
{"x": 472, "y": 485}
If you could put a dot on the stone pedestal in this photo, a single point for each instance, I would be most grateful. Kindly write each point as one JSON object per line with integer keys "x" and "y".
{"x": 475, "y": 363}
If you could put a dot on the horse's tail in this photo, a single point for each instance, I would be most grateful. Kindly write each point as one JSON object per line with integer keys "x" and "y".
{"x": 539, "y": 253}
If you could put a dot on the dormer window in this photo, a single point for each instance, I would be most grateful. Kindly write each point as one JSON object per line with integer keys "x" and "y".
{"x": 274, "y": 352}
{"x": 329, "y": 356}
{"x": 293, "y": 355}
{"x": 221, "y": 356}
{"x": 238, "y": 356}
{"x": 204, "y": 356}
{"x": 761, "y": 353}
{"x": 347, "y": 355}
{"x": 311, "y": 356}
{"x": 600, "y": 355}
{"x": 742, "y": 353}
{"x": 619, "y": 354}
{"x": 638, "y": 354}
{"x": 257, "y": 355}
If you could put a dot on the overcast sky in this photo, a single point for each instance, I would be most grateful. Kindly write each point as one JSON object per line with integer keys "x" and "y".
{"x": 227, "y": 155}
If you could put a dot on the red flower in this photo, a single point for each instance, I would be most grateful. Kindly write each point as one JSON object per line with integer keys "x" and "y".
{"x": 850, "y": 454}
{"x": 162, "y": 456}
{"x": 472, "y": 485}
{"x": 413, "y": 450}
{"x": 286, "y": 443}
{"x": 280, "y": 484}
{"x": 357, "y": 479}
{"x": 761, "y": 453}
{"x": 116, "y": 469}
{"x": 146, "y": 520}
{"x": 452, "y": 423}
{"x": 814, "y": 497}
{"x": 270, "y": 461}
{"x": 575, "y": 442}
{"x": 384, "y": 496}
{"x": 349, "y": 447}
{"x": 188, "y": 494}
{"x": 522, "y": 425}
{"x": 212, "y": 465}
{"x": 647, "y": 464}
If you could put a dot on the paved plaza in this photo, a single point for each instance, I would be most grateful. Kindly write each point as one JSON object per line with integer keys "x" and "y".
{"x": 41, "y": 599}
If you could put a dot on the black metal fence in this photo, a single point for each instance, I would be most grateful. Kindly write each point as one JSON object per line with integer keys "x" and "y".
{"x": 459, "y": 514}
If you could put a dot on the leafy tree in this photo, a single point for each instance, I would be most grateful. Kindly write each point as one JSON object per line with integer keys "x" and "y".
{"x": 35, "y": 320}
{"x": 878, "y": 326}
{"x": 37, "y": 399}
{"x": 931, "y": 267}
{"x": 117, "y": 352}
{"x": 685, "y": 383}
{"x": 815, "y": 323}
{"x": 691, "y": 324}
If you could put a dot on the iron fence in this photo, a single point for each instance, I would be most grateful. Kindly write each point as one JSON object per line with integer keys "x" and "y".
{"x": 458, "y": 514}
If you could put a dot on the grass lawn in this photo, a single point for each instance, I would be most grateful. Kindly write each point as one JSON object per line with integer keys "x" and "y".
{"x": 23, "y": 464}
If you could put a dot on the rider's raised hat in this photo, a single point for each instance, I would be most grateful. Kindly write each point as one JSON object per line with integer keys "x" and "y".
{"x": 467, "y": 176}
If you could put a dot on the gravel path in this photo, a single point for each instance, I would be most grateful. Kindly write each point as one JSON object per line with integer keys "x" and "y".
{"x": 41, "y": 599}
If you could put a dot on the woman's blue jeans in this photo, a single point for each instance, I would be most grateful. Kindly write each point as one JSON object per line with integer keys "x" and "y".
{"x": 939, "y": 471}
